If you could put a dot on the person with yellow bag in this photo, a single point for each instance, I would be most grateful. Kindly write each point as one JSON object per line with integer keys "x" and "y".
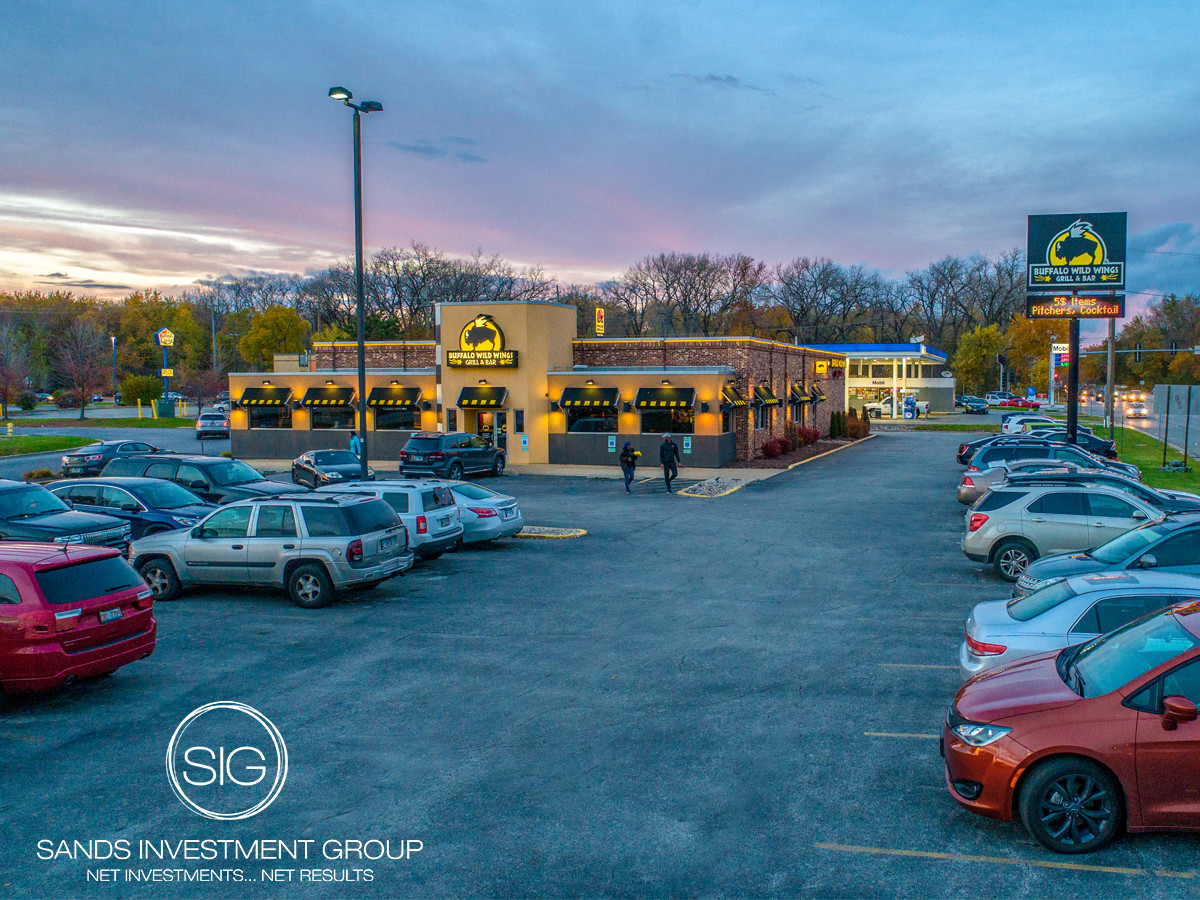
{"x": 628, "y": 460}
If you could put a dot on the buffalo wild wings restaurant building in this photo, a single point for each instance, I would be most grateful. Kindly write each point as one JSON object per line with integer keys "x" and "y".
{"x": 516, "y": 375}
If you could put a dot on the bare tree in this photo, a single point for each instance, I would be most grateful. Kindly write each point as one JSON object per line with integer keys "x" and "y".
{"x": 81, "y": 359}
{"x": 14, "y": 364}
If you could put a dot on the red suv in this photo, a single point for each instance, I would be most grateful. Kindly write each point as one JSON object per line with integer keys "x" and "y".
{"x": 1084, "y": 741}
{"x": 68, "y": 612}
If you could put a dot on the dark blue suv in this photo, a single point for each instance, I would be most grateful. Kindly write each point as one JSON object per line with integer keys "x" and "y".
{"x": 149, "y": 505}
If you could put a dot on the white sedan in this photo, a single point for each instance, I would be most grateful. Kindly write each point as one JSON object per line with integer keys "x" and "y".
{"x": 1135, "y": 411}
{"x": 486, "y": 514}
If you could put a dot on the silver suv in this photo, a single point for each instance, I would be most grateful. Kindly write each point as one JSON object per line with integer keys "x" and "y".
{"x": 1012, "y": 526}
{"x": 427, "y": 510}
{"x": 310, "y": 545}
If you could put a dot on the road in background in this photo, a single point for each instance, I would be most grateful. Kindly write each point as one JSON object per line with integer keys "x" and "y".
{"x": 179, "y": 439}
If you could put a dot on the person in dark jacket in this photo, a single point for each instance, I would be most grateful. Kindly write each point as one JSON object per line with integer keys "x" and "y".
{"x": 628, "y": 460}
{"x": 668, "y": 455}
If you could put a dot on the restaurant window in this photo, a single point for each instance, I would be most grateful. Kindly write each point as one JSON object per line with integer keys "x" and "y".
{"x": 595, "y": 419}
{"x": 270, "y": 416}
{"x": 727, "y": 418}
{"x": 331, "y": 417}
{"x": 669, "y": 421}
{"x": 518, "y": 421}
{"x": 762, "y": 417}
{"x": 452, "y": 420}
{"x": 397, "y": 418}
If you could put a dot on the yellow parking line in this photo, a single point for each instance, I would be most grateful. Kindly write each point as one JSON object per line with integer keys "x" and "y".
{"x": 1000, "y": 860}
{"x": 914, "y": 666}
{"x": 899, "y": 734}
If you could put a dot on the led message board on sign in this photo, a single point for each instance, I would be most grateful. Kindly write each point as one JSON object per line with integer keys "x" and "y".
{"x": 1084, "y": 251}
{"x": 1110, "y": 307}
{"x": 481, "y": 343}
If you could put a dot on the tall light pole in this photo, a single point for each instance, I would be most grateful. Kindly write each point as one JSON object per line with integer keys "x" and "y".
{"x": 114, "y": 343}
{"x": 366, "y": 106}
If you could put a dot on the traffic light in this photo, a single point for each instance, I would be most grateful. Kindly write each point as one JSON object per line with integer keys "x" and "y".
{"x": 1137, "y": 352}
{"x": 1174, "y": 347}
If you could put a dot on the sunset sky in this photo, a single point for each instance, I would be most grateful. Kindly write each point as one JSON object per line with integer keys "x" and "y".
{"x": 150, "y": 145}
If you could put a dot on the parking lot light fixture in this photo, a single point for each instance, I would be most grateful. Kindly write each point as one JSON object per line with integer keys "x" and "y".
{"x": 340, "y": 93}
{"x": 666, "y": 381}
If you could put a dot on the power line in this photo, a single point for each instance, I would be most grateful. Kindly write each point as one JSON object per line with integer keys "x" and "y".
{"x": 1165, "y": 252}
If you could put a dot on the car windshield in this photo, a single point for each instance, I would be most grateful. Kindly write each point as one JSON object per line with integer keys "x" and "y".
{"x": 234, "y": 472}
{"x": 424, "y": 445}
{"x": 1121, "y": 548}
{"x": 165, "y": 495}
{"x": 29, "y": 502}
{"x": 475, "y": 492}
{"x": 212, "y": 417}
{"x": 1025, "y": 608}
{"x": 1106, "y": 663}
{"x": 335, "y": 458}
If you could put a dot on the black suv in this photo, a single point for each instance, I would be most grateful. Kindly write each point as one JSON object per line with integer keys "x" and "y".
{"x": 449, "y": 455}
{"x": 216, "y": 479}
{"x": 90, "y": 460}
{"x": 29, "y": 512}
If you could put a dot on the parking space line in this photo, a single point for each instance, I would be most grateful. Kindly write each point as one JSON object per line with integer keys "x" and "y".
{"x": 1004, "y": 861}
{"x": 914, "y": 666}
{"x": 900, "y": 734}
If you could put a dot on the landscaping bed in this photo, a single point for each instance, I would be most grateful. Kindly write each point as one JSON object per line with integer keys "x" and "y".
{"x": 799, "y": 455}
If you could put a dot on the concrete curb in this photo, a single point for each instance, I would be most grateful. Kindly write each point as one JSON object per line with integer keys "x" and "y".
{"x": 827, "y": 452}
{"x": 738, "y": 487}
{"x": 560, "y": 534}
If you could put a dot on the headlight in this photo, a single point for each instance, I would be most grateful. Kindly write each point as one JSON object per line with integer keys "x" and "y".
{"x": 979, "y": 735}
{"x": 184, "y": 521}
{"x": 125, "y": 530}
{"x": 69, "y": 539}
{"x": 332, "y": 475}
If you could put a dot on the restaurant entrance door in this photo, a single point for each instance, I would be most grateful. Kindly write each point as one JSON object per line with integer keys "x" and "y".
{"x": 493, "y": 427}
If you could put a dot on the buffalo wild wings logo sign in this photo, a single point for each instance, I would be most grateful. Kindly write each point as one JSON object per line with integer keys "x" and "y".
{"x": 481, "y": 343}
{"x": 1084, "y": 251}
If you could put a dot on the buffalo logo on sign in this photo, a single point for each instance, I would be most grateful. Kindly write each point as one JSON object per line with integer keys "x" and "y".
{"x": 1077, "y": 252}
{"x": 481, "y": 343}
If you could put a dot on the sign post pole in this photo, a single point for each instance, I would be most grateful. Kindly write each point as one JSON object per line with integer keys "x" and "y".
{"x": 1112, "y": 370}
{"x": 1050, "y": 386}
{"x": 1073, "y": 382}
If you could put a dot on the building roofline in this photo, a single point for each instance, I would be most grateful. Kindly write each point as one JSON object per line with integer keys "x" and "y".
{"x": 697, "y": 339}
{"x": 645, "y": 370}
{"x": 422, "y": 370}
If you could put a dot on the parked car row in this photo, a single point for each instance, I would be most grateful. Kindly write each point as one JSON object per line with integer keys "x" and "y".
{"x": 1078, "y": 713}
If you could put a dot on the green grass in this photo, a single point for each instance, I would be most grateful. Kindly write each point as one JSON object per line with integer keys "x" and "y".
{"x": 39, "y": 443}
{"x": 1146, "y": 453}
{"x": 982, "y": 427}
{"x": 77, "y": 422}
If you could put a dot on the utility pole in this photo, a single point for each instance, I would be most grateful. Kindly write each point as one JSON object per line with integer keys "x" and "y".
{"x": 1073, "y": 381}
{"x": 213, "y": 312}
{"x": 1112, "y": 368}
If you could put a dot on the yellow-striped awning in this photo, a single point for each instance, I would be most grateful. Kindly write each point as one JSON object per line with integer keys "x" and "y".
{"x": 817, "y": 396}
{"x": 394, "y": 396}
{"x": 589, "y": 398}
{"x": 329, "y": 396}
{"x": 265, "y": 396}
{"x": 764, "y": 396}
{"x": 482, "y": 397}
{"x": 799, "y": 394}
{"x": 665, "y": 398}
{"x": 731, "y": 396}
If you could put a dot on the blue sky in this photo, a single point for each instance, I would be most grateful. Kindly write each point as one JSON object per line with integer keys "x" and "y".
{"x": 150, "y": 145}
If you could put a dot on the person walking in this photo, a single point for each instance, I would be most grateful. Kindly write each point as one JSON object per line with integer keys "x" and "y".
{"x": 355, "y": 443}
{"x": 668, "y": 456}
{"x": 628, "y": 460}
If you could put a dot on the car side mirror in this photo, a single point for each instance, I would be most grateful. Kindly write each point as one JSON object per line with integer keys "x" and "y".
{"x": 203, "y": 485}
{"x": 1177, "y": 709}
{"x": 201, "y": 532}
{"x": 1148, "y": 561}
{"x": 130, "y": 507}
{"x": 1138, "y": 516}
{"x": 70, "y": 503}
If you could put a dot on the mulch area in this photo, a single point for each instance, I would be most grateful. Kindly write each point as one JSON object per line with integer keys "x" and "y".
{"x": 782, "y": 462}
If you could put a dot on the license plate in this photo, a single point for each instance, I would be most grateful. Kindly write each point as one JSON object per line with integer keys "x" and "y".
{"x": 110, "y": 615}
{"x": 444, "y": 522}
{"x": 417, "y": 457}
{"x": 508, "y": 513}
{"x": 385, "y": 543}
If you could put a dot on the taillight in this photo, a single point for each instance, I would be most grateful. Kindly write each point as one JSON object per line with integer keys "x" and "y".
{"x": 483, "y": 513}
{"x": 145, "y": 599}
{"x": 354, "y": 553}
{"x": 974, "y": 469}
{"x": 422, "y": 525}
{"x": 225, "y": 424}
{"x": 979, "y": 648}
{"x": 977, "y": 520}
{"x": 967, "y": 482}
{"x": 93, "y": 458}
{"x": 437, "y": 454}
{"x": 403, "y": 455}
{"x": 962, "y": 448}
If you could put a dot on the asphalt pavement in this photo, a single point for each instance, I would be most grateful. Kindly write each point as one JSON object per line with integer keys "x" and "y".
{"x": 739, "y": 696}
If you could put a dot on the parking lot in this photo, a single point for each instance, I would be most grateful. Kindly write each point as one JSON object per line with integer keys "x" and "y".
{"x": 700, "y": 697}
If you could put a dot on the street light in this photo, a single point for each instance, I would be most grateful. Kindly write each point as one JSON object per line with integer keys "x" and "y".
{"x": 114, "y": 343}
{"x": 366, "y": 106}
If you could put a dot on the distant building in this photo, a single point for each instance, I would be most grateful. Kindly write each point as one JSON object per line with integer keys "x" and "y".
{"x": 878, "y": 371}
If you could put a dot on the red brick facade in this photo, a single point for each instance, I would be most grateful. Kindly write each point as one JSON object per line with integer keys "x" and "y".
{"x": 332, "y": 355}
{"x": 755, "y": 361}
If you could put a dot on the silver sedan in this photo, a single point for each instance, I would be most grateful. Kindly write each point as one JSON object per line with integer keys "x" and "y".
{"x": 1065, "y": 613}
{"x": 486, "y": 514}
{"x": 975, "y": 484}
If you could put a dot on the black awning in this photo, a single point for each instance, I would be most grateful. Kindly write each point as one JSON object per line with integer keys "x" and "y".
{"x": 817, "y": 396}
{"x": 328, "y": 396}
{"x": 764, "y": 396}
{"x": 730, "y": 396}
{"x": 482, "y": 397}
{"x": 589, "y": 398}
{"x": 394, "y": 396}
{"x": 265, "y": 396}
{"x": 665, "y": 398}
{"x": 800, "y": 394}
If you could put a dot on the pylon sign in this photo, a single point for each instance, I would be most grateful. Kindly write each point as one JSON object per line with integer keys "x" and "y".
{"x": 1076, "y": 251}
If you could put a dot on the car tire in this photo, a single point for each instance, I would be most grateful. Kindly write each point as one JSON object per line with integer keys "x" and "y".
{"x": 1012, "y": 557}
{"x": 1071, "y": 805}
{"x": 455, "y": 472}
{"x": 498, "y": 465}
{"x": 160, "y": 575}
{"x": 309, "y": 587}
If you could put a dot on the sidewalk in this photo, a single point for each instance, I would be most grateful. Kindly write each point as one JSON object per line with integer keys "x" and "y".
{"x": 685, "y": 472}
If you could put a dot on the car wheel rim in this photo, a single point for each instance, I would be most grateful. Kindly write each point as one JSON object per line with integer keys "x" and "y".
{"x": 308, "y": 588}
{"x": 1014, "y": 562}
{"x": 499, "y": 466}
{"x": 157, "y": 580}
{"x": 1076, "y": 810}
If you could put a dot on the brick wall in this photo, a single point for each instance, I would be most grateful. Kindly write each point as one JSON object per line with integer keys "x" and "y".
{"x": 380, "y": 355}
{"x": 779, "y": 365}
